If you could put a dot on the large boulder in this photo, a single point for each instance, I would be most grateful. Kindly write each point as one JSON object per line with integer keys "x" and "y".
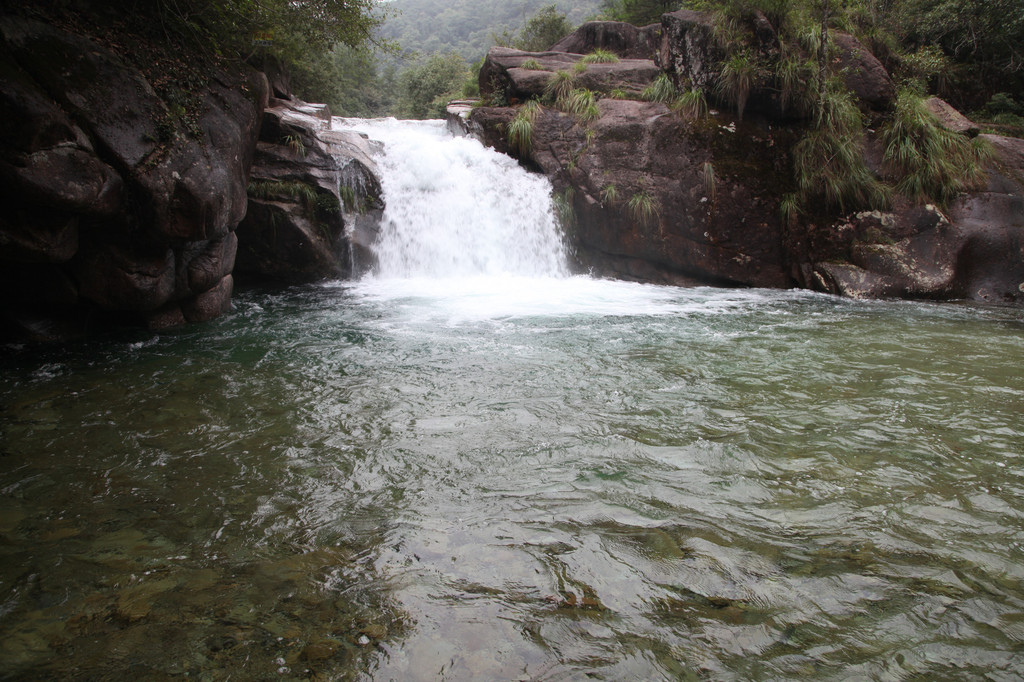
{"x": 309, "y": 183}
{"x": 503, "y": 76}
{"x": 626, "y": 40}
{"x": 110, "y": 191}
{"x": 690, "y": 51}
{"x": 863, "y": 74}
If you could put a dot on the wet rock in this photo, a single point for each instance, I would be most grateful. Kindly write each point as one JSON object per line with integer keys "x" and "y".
{"x": 308, "y": 183}
{"x": 626, "y": 40}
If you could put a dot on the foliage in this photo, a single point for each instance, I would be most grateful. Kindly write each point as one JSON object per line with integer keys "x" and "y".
{"x": 581, "y": 103}
{"x": 426, "y": 88}
{"x": 692, "y": 103}
{"x": 643, "y": 207}
{"x": 520, "y": 130}
{"x": 660, "y": 90}
{"x": 638, "y": 12}
{"x": 600, "y": 56}
{"x": 829, "y": 160}
{"x": 350, "y": 80}
{"x": 610, "y": 194}
{"x": 470, "y": 28}
{"x": 542, "y": 30}
{"x": 930, "y": 162}
{"x": 531, "y": 64}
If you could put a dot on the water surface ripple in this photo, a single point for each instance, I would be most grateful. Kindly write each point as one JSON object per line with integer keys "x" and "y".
{"x": 536, "y": 480}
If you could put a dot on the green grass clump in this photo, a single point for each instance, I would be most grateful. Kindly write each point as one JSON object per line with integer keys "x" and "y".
{"x": 692, "y": 103}
{"x": 660, "y": 90}
{"x": 531, "y": 64}
{"x": 600, "y": 56}
{"x": 829, "y": 160}
{"x": 520, "y": 130}
{"x": 610, "y": 194}
{"x": 581, "y": 103}
{"x": 559, "y": 85}
{"x": 736, "y": 80}
{"x": 643, "y": 207}
{"x": 929, "y": 162}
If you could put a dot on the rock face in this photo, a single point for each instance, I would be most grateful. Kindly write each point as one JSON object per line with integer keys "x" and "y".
{"x": 113, "y": 202}
{"x": 503, "y": 74}
{"x": 973, "y": 250}
{"x": 693, "y": 56}
{"x": 307, "y": 182}
{"x": 657, "y": 195}
{"x": 626, "y": 40}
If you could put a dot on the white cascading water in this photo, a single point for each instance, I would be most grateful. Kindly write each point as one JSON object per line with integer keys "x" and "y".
{"x": 469, "y": 235}
{"x": 458, "y": 209}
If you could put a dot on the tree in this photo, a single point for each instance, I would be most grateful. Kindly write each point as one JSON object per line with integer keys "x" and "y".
{"x": 638, "y": 12}
{"x": 426, "y": 88}
{"x": 543, "y": 30}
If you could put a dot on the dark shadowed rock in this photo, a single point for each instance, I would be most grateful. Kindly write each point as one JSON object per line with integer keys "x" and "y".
{"x": 108, "y": 190}
{"x": 626, "y": 40}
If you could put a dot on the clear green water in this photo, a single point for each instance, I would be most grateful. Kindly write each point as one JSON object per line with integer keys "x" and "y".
{"x": 568, "y": 480}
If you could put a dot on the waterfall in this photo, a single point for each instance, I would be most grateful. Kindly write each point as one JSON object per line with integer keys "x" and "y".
{"x": 456, "y": 209}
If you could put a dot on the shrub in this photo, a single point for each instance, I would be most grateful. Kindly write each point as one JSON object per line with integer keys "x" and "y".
{"x": 520, "y": 130}
{"x": 928, "y": 161}
{"x": 643, "y": 207}
{"x": 660, "y": 90}
{"x": 600, "y": 56}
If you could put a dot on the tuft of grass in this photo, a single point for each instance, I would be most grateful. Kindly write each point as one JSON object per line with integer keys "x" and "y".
{"x": 736, "y": 81}
{"x": 929, "y": 162}
{"x": 610, "y": 194}
{"x": 564, "y": 210}
{"x": 619, "y": 93}
{"x": 660, "y": 90}
{"x": 643, "y": 207}
{"x": 692, "y": 103}
{"x": 579, "y": 67}
{"x": 294, "y": 142}
{"x": 829, "y": 160}
{"x": 531, "y": 64}
{"x": 348, "y": 197}
{"x": 282, "y": 190}
{"x": 559, "y": 85}
{"x": 581, "y": 103}
{"x": 789, "y": 208}
{"x": 709, "y": 180}
{"x": 600, "y": 56}
{"x": 793, "y": 73}
{"x": 520, "y": 130}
